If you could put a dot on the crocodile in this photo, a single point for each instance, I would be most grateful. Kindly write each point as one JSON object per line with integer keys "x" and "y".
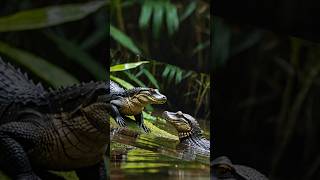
{"x": 62, "y": 129}
{"x": 223, "y": 169}
{"x": 189, "y": 131}
{"x": 132, "y": 102}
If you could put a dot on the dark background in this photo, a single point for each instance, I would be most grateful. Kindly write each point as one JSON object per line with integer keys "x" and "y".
{"x": 265, "y": 87}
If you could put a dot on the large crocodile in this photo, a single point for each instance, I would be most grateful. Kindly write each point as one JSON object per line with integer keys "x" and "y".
{"x": 190, "y": 136}
{"x": 132, "y": 102}
{"x": 40, "y": 130}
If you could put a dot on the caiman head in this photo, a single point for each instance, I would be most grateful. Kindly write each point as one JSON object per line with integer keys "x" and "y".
{"x": 185, "y": 124}
{"x": 136, "y": 99}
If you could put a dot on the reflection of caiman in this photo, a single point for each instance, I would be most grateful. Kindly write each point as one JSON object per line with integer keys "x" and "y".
{"x": 190, "y": 135}
{"x": 64, "y": 129}
{"x": 132, "y": 102}
{"x": 189, "y": 131}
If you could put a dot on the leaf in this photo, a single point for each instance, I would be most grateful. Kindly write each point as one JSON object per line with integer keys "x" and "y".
{"x": 126, "y": 66}
{"x": 135, "y": 79}
{"x": 157, "y": 18}
{"x": 172, "y": 18}
{"x": 122, "y": 82}
{"x": 201, "y": 46}
{"x": 189, "y": 10}
{"x": 151, "y": 78}
{"x": 123, "y": 39}
{"x": 172, "y": 73}
{"x": 96, "y": 37}
{"x": 41, "y": 67}
{"x": 178, "y": 75}
{"x": 166, "y": 71}
{"x": 145, "y": 15}
{"x": 48, "y": 16}
{"x": 75, "y": 53}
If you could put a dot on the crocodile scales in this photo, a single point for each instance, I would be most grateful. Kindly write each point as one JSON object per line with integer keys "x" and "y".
{"x": 40, "y": 130}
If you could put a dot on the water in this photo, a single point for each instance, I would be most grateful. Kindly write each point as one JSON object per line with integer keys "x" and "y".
{"x": 154, "y": 156}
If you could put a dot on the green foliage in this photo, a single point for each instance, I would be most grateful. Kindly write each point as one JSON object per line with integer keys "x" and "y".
{"x": 47, "y": 71}
{"x": 123, "y": 39}
{"x": 75, "y": 53}
{"x": 44, "y": 17}
{"x": 48, "y": 16}
{"x": 158, "y": 10}
{"x": 173, "y": 72}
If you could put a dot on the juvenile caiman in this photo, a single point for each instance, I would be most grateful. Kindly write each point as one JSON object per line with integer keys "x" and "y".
{"x": 190, "y": 135}
{"x": 132, "y": 102}
{"x": 189, "y": 131}
{"x": 40, "y": 130}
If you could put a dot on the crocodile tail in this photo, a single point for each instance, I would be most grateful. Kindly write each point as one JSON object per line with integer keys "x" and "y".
{"x": 16, "y": 86}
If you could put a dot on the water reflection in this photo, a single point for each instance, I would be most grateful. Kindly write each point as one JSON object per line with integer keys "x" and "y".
{"x": 148, "y": 156}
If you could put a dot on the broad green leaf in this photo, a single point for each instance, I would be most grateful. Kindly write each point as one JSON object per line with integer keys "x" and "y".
{"x": 151, "y": 78}
{"x": 145, "y": 15}
{"x": 123, "y": 39}
{"x": 48, "y": 16}
{"x": 172, "y": 73}
{"x": 157, "y": 18}
{"x": 122, "y": 82}
{"x": 126, "y": 66}
{"x": 172, "y": 18}
{"x": 41, "y": 67}
{"x": 201, "y": 46}
{"x": 76, "y": 54}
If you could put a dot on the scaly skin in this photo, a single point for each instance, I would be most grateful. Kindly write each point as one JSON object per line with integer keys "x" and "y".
{"x": 189, "y": 131}
{"x": 65, "y": 129}
{"x": 224, "y": 169}
{"x": 132, "y": 102}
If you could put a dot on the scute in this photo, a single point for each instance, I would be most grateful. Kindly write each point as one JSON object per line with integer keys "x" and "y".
{"x": 16, "y": 87}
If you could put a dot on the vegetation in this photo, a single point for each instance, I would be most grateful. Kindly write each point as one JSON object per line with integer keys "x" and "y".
{"x": 266, "y": 100}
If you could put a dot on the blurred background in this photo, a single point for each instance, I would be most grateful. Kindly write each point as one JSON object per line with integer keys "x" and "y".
{"x": 265, "y": 97}
{"x": 57, "y": 43}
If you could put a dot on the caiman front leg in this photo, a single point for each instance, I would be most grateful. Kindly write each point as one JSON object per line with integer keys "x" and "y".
{"x": 140, "y": 122}
{"x": 15, "y": 138}
{"x": 115, "y": 114}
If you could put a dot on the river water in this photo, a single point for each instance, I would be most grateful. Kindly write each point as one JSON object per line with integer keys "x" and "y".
{"x": 135, "y": 154}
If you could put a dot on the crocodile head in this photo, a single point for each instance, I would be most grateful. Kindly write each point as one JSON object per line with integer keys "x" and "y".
{"x": 185, "y": 124}
{"x": 148, "y": 96}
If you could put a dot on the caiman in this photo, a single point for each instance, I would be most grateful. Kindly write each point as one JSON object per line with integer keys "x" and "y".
{"x": 190, "y": 137}
{"x": 132, "y": 102}
{"x": 223, "y": 169}
{"x": 189, "y": 131}
{"x": 63, "y": 129}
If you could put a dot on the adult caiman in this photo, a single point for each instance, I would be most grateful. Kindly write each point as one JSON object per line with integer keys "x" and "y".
{"x": 190, "y": 136}
{"x": 40, "y": 130}
{"x": 132, "y": 102}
